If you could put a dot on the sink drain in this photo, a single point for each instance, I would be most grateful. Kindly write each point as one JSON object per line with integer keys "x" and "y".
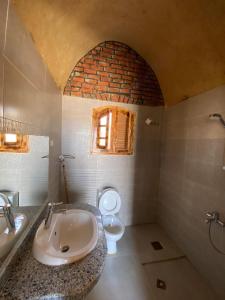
{"x": 65, "y": 248}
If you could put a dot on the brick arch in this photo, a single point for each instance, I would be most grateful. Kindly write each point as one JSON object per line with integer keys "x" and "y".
{"x": 115, "y": 72}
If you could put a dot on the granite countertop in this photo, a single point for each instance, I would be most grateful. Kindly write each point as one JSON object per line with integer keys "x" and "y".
{"x": 30, "y": 212}
{"x": 26, "y": 278}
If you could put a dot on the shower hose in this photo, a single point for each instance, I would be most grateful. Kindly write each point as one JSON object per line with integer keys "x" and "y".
{"x": 211, "y": 241}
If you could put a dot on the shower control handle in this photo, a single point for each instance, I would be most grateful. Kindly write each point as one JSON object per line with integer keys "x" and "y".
{"x": 211, "y": 216}
{"x": 214, "y": 217}
{"x": 221, "y": 223}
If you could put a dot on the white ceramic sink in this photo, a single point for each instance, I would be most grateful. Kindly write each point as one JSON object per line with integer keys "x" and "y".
{"x": 8, "y": 238}
{"x": 71, "y": 236}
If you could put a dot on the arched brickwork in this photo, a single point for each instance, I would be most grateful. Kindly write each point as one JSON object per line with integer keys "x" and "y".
{"x": 115, "y": 72}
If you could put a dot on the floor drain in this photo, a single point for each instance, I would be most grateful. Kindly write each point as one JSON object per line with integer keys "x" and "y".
{"x": 65, "y": 248}
{"x": 161, "y": 284}
{"x": 156, "y": 245}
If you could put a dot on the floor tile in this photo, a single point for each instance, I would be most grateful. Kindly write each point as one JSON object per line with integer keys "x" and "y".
{"x": 129, "y": 275}
{"x": 123, "y": 278}
{"x": 181, "y": 279}
{"x": 137, "y": 241}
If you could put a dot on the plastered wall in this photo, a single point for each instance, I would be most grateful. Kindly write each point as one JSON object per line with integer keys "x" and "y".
{"x": 183, "y": 41}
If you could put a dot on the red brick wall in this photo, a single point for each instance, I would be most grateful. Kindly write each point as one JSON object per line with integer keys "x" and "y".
{"x": 113, "y": 71}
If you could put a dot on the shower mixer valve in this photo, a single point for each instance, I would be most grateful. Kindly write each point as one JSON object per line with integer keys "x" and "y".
{"x": 214, "y": 217}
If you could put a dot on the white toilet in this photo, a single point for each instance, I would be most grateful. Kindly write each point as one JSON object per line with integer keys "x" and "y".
{"x": 109, "y": 205}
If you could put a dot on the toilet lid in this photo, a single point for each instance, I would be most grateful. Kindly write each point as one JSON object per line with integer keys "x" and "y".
{"x": 109, "y": 202}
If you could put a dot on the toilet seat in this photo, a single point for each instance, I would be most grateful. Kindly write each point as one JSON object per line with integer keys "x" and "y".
{"x": 109, "y": 202}
{"x": 113, "y": 225}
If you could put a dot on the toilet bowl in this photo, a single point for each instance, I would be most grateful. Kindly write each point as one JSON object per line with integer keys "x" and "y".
{"x": 109, "y": 206}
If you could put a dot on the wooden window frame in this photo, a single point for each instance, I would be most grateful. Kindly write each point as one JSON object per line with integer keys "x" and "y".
{"x": 21, "y": 146}
{"x": 110, "y": 147}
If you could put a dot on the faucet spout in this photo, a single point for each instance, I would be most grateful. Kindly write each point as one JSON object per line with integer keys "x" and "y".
{"x": 7, "y": 212}
{"x": 50, "y": 212}
{"x": 5, "y": 199}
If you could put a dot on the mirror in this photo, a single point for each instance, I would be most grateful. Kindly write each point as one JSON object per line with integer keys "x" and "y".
{"x": 23, "y": 184}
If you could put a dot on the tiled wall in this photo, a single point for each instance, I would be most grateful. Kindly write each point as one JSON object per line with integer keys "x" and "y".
{"x": 115, "y": 72}
{"x": 27, "y": 91}
{"x": 192, "y": 181}
{"x": 135, "y": 176}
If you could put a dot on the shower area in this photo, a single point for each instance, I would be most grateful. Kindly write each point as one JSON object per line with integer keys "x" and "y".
{"x": 191, "y": 189}
{"x": 178, "y": 189}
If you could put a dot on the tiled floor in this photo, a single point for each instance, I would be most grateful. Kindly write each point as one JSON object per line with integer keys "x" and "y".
{"x": 133, "y": 272}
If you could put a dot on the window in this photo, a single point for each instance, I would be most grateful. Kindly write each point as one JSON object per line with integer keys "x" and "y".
{"x": 113, "y": 130}
{"x": 13, "y": 142}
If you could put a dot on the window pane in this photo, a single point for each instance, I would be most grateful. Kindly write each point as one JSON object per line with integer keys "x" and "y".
{"x": 103, "y": 120}
{"x": 110, "y": 129}
{"x": 102, "y": 142}
{"x": 102, "y": 132}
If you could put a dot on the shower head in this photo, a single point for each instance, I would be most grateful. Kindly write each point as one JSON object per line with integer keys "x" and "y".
{"x": 217, "y": 116}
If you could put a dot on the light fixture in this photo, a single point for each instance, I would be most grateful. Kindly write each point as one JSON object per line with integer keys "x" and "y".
{"x": 10, "y": 138}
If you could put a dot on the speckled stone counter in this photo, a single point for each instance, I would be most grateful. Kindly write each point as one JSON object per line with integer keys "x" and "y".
{"x": 26, "y": 278}
{"x": 30, "y": 212}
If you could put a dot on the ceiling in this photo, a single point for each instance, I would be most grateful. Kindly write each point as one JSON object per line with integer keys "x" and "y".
{"x": 183, "y": 41}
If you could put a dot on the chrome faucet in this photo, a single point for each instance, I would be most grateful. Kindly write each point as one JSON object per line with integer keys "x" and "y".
{"x": 51, "y": 206}
{"x": 7, "y": 212}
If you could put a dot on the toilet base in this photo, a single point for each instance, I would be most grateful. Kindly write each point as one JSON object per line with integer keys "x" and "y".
{"x": 111, "y": 246}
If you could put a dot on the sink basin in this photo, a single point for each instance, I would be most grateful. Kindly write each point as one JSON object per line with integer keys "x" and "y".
{"x": 71, "y": 236}
{"x": 8, "y": 238}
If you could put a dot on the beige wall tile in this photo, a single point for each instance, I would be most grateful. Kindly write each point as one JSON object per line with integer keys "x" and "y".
{"x": 51, "y": 124}
{"x": 192, "y": 180}
{"x": 134, "y": 176}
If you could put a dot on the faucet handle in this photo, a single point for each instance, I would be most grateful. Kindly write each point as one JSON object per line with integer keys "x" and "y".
{"x": 53, "y": 204}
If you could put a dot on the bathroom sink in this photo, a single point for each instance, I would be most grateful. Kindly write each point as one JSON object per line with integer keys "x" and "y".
{"x": 71, "y": 236}
{"x": 7, "y": 237}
